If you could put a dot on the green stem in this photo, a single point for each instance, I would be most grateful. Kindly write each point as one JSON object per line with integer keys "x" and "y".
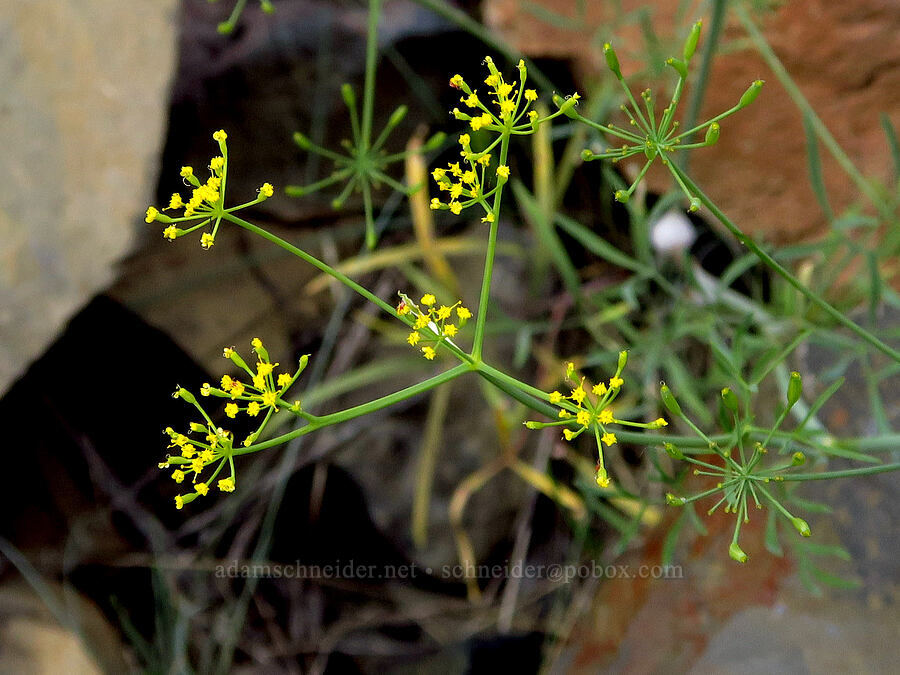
{"x": 369, "y": 86}
{"x": 775, "y": 266}
{"x": 849, "y": 473}
{"x": 359, "y": 410}
{"x": 489, "y": 258}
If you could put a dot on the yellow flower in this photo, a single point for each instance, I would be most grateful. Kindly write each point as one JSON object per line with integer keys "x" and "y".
{"x": 264, "y": 369}
{"x": 463, "y": 313}
{"x": 253, "y": 408}
{"x": 616, "y": 382}
{"x": 237, "y": 388}
{"x": 530, "y": 95}
{"x": 489, "y": 218}
{"x": 606, "y": 416}
{"x": 578, "y": 395}
{"x": 421, "y": 322}
{"x": 187, "y": 171}
{"x": 443, "y": 312}
{"x": 555, "y": 397}
{"x": 569, "y": 434}
{"x": 175, "y": 202}
{"x": 170, "y": 233}
{"x": 435, "y": 204}
{"x": 456, "y": 81}
{"x": 178, "y": 476}
{"x": 413, "y": 338}
{"x": 152, "y": 212}
{"x": 220, "y": 136}
{"x": 216, "y": 164}
{"x": 608, "y": 438}
{"x": 269, "y": 398}
{"x": 471, "y": 100}
{"x": 455, "y": 208}
{"x": 583, "y": 418}
{"x": 503, "y": 171}
{"x": 599, "y": 389}
{"x": 450, "y": 330}
{"x": 226, "y": 485}
{"x": 179, "y": 502}
{"x": 231, "y": 410}
{"x": 207, "y": 240}
{"x": 202, "y": 489}
{"x": 428, "y": 353}
{"x": 267, "y": 190}
{"x": 428, "y": 299}
{"x": 283, "y": 380}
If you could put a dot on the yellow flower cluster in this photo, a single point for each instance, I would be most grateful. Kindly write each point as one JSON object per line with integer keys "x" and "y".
{"x": 592, "y": 411}
{"x": 506, "y": 97}
{"x": 434, "y": 324}
{"x": 209, "y": 445}
{"x": 264, "y": 391}
{"x": 207, "y": 199}
{"x": 465, "y": 185}
{"x": 216, "y": 445}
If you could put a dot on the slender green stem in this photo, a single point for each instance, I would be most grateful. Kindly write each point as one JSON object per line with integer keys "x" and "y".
{"x": 369, "y": 86}
{"x": 848, "y": 473}
{"x": 315, "y": 262}
{"x": 775, "y": 266}
{"x": 359, "y": 410}
{"x": 484, "y": 298}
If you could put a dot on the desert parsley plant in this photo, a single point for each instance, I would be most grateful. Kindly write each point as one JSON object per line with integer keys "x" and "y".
{"x": 739, "y": 461}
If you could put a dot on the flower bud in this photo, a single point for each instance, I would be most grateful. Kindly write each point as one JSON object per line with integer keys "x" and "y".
{"x": 712, "y": 133}
{"x": 669, "y": 400}
{"x": 695, "y": 205}
{"x": 586, "y": 155}
{"x": 567, "y": 105}
{"x": 673, "y": 451}
{"x": 730, "y": 400}
{"x": 672, "y": 500}
{"x": 612, "y": 60}
{"x": 302, "y": 141}
{"x": 737, "y": 554}
{"x": 690, "y": 45}
{"x": 678, "y": 65}
{"x": 798, "y": 459}
{"x": 751, "y": 93}
{"x": 267, "y": 6}
{"x": 802, "y": 526}
{"x": 259, "y": 349}
{"x": 533, "y": 425}
{"x": 623, "y": 359}
{"x": 348, "y": 95}
{"x": 795, "y": 388}
{"x": 184, "y": 395}
{"x": 197, "y": 428}
{"x": 621, "y": 196}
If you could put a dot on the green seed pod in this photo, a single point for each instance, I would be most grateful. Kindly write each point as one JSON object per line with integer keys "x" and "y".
{"x": 751, "y": 93}
{"x": 672, "y": 500}
{"x": 690, "y": 45}
{"x": 612, "y": 60}
{"x": 673, "y": 451}
{"x": 669, "y": 401}
{"x": 586, "y": 155}
{"x": 533, "y": 425}
{"x": 621, "y": 196}
{"x": 303, "y": 361}
{"x": 798, "y": 459}
{"x": 678, "y": 65}
{"x": 712, "y": 133}
{"x": 802, "y": 526}
{"x": 730, "y": 400}
{"x": 302, "y": 141}
{"x": 795, "y": 388}
{"x": 198, "y": 428}
{"x": 695, "y": 205}
{"x": 348, "y": 94}
{"x": 567, "y": 105}
{"x": 623, "y": 359}
{"x": 737, "y": 554}
{"x": 267, "y": 7}
{"x": 236, "y": 359}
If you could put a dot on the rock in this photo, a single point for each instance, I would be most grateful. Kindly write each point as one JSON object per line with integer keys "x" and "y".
{"x": 81, "y": 118}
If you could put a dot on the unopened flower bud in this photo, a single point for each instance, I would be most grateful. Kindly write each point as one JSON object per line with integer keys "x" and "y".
{"x": 612, "y": 60}
{"x": 302, "y": 141}
{"x": 712, "y": 133}
{"x": 730, "y": 400}
{"x": 798, "y": 459}
{"x": 751, "y": 93}
{"x": 348, "y": 95}
{"x": 737, "y": 554}
{"x": 795, "y": 388}
{"x": 673, "y": 451}
{"x": 801, "y": 526}
{"x": 669, "y": 401}
{"x": 679, "y": 66}
{"x": 690, "y": 45}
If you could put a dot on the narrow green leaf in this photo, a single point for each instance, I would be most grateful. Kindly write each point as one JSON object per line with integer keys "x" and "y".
{"x": 820, "y": 401}
{"x": 891, "y": 135}
{"x": 833, "y": 580}
{"x": 815, "y": 167}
